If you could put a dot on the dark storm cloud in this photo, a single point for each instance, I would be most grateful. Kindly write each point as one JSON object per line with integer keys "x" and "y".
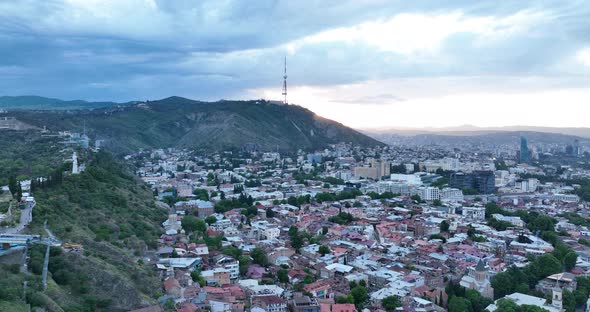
{"x": 141, "y": 49}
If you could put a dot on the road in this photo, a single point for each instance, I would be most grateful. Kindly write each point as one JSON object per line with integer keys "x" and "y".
{"x": 26, "y": 216}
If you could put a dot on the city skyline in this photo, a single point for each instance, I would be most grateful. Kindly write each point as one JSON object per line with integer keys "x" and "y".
{"x": 370, "y": 64}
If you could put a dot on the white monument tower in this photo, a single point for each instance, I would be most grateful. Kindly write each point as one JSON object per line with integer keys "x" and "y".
{"x": 75, "y": 169}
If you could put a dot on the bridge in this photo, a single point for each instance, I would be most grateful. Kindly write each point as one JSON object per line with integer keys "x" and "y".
{"x": 6, "y": 240}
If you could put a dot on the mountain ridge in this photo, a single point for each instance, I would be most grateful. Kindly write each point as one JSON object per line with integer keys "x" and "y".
{"x": 181, "y": 122}
{"x": 471, "y": 130}
{"x": 27, "y": 102}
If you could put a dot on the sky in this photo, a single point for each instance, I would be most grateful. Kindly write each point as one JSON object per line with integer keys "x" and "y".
{"x": 367, "y": 64}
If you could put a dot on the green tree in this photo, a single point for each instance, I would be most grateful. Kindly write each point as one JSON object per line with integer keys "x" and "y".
{"x": 259, "y": 256}
{"x": 569, "y": 260}
{"x": 458, "y": 304}
{"x": 244, "y": 264}
{"x": 12, "y": 185}
{"x": 569, "y": 301}
{"x": 360, "y": 295}
{"x": 283, "y": 276}
{"x": 191, "y": 224}
{"x": 210, "y": 220}
{"x": 390, "y": 303}
{"x": 270, "y": 213}
{"x": 503, "y": 284}
{"x": 293, "y": 230}
{"x": 324, "y": 250}
{"x": 444, "y": 226}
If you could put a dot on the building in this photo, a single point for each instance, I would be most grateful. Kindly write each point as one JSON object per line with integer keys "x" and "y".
{"x": 217, "y": 276}
{"x": 270, "y": 303}
{"x": 563, "y": 280}
{"x": 474, "y": 213}
{"x": 483, "y": 181}
{"x": 451, "y": 194}
{"x": 477, "y": 279}
{"x": 524, "y": 156}
{"x": 522, "y": 299}
{"x": 338, "y": 307}
{"x": 302, "y": 303}
{"x": 376, "y": 170}
{"x": 230, "y": 264}
{"x": 320, "y": 289}
{"x": 264, "y": 230}
{"x": 429, "y": 193}
{"x": 515, "y": 221}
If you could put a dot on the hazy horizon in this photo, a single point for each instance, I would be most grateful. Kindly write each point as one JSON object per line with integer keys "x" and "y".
{"x": 369, "y": 64}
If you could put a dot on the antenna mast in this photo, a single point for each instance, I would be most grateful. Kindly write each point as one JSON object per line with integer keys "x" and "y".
{"x": 285, "y": 83}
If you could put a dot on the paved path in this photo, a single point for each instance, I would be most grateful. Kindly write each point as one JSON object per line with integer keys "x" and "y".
{"x": 26, "y": 216}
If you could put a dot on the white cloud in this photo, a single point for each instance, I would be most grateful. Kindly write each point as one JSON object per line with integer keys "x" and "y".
{"x": 583, "y": 56}
{"x": 410, "y": 33}
{"x": 447, "y": 101}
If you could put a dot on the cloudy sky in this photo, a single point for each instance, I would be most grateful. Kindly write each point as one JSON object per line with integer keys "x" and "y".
{"x": 365, "y": 63}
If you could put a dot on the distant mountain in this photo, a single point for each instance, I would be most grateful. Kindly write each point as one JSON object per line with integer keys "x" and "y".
{"x": 470, "y": 130}
{"x": 458, "y": 138}
{"x": 43, "y": 103}
{"x": 180, "y": 122}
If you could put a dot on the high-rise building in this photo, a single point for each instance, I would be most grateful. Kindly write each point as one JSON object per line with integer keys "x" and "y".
{"x": 483, "y": 181}
{"x": 524, "y": 156}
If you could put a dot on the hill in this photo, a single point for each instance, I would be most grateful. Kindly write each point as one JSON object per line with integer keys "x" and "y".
{"x": 180, "y": 122}
{"x": 113, "y": 216}
{"x": 43, "y": 103}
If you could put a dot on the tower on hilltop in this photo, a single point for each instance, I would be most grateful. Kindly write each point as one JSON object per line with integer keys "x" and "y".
{"x": 285, "y": 83}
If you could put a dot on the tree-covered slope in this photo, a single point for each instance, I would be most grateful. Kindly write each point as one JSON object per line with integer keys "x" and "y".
{"x": 113, "y": 216}
{"x": 179, "y": 122}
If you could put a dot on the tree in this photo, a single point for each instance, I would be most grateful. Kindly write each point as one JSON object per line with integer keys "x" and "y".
{"x": 502, "y": 284}
{"x": 458, "y": 304}
{"x": 390, "y": 303}
{"x": 191, "y": 224}
{"x": 444, "y": 226}
{"x": 569, "y": 301}
{"x": 210, "y": 220}
{"x": 19, "y": 192}
{"x": 293, "y": 230}
{"x": 244, "y": 264}
{"x": 345, "y": 299}
{"x": 360, "y": 295}
{"x": 569, "y": 261}
{"x": 547, "y": 265}
{"x": 324, "y": 250}
{"x": 259, "y": 256}
{"x": 296, "y": 241}
{"x": 12, "y": 185}
{"x": 283, "y": 276}
{"x": 201, "y": 194}
{"x": 270, "y": 213}
{"x": 437, "y": 202}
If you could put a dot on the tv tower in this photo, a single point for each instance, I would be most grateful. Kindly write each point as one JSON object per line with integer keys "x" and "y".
{"x": 285, "y": 83}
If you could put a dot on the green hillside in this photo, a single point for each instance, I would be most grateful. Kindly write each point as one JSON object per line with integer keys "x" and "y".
{"x": 179, "y": 122}
{"x": 113, "y": 216}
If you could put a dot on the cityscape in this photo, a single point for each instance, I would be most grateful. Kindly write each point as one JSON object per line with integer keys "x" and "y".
{"x": 275, "y": 156}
